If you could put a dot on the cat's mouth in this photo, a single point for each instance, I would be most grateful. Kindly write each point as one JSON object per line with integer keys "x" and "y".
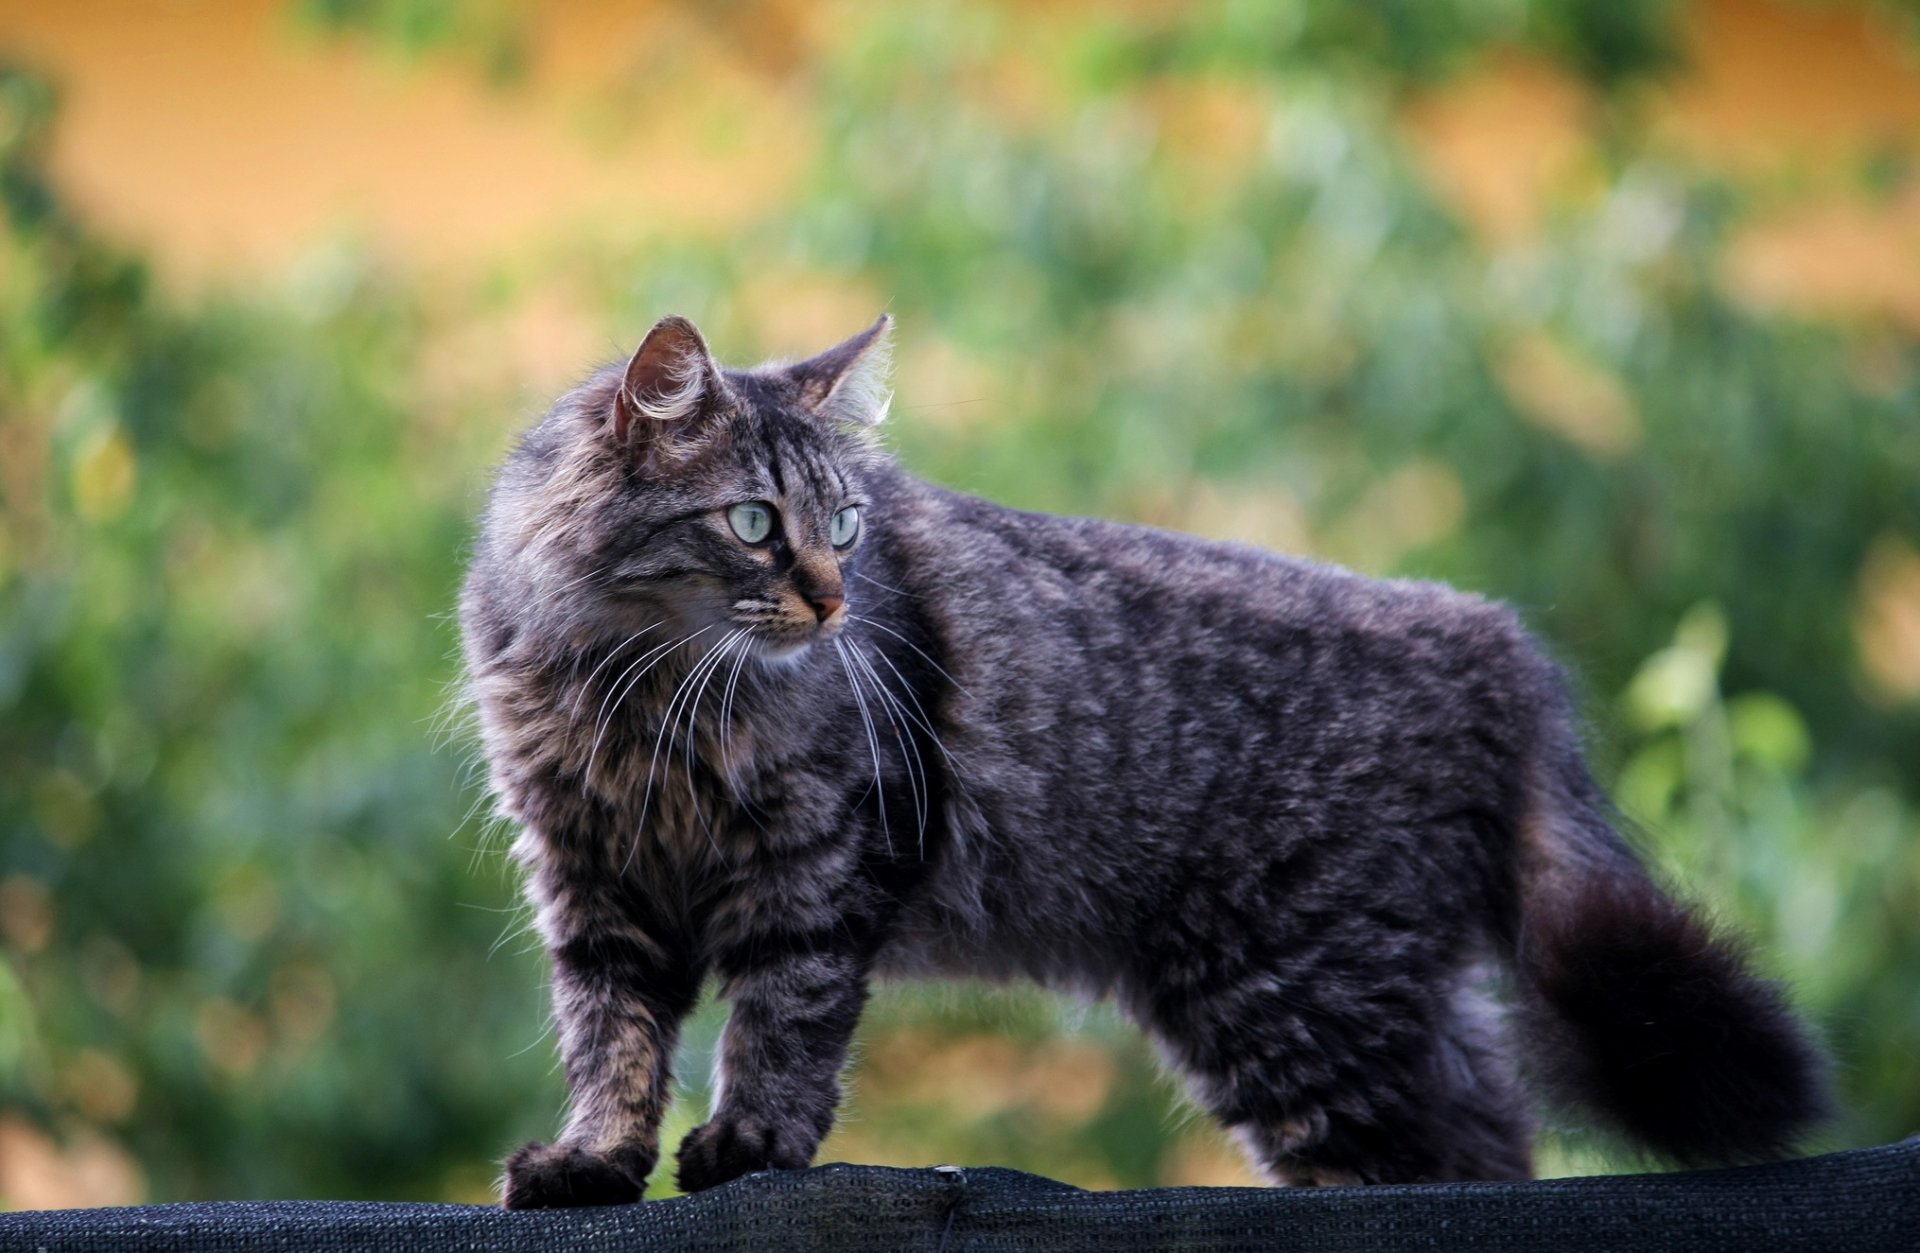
{"x": 786, "y": 641}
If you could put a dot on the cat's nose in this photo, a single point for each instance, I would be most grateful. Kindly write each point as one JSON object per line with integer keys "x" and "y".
{"x": 824, "y": 604}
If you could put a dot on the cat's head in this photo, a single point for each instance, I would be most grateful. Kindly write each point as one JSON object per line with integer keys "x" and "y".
{"x": 679, "y": 498}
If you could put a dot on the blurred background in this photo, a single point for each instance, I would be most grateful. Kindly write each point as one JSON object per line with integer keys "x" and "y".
{"x": 1610, "y": 308}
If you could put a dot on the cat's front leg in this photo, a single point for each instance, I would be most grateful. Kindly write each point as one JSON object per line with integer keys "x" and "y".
{"x": 796, "y": 1001}
{"x": 619, "y": 994}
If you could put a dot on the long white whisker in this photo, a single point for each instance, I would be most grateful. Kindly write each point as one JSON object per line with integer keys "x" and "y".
{"x": 873, "y": 743}
{"x": 668, "y": 721}
{"x": 712, "y": 663}
{"x": 915, "y": 766}
{"x": 910, "y": 644}
{"x": 923, "y": 798}
{"x": 885, "y": 587}
{"x": 920, "y": 716}
{"x": 726, "y": 709}
{"x": 649, "y": 659}
{"x": 574, "y": 715}
{"x": 658, "y": 653}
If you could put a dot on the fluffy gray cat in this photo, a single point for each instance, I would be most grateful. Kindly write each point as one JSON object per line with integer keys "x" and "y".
{"x": 768, "y": 708}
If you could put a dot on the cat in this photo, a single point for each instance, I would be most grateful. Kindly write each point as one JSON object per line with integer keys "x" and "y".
{"x": 769, "y": 709}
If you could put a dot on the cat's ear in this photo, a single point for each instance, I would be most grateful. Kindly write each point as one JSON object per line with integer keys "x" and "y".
{"x": 848, "y": 382}
{"x": 670, "y": 388}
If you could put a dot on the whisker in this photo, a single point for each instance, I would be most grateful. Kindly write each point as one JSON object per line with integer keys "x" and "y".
{"x": 668, "y": 720}
{"x": 726, "y": 710}
{"x": 745, "y": 803}
{"x": 914, "y": 762}
{"x": 712, "y": 662}
{"x": 926, "y": 723}
{"x": 885, "y": 587}
{"x": 600, "y": 717}
{"x": 910, "y": 644}
{"x": 587, "y": 683}
{"x": 873, "y": 743}
{"x": 658, "y": 653}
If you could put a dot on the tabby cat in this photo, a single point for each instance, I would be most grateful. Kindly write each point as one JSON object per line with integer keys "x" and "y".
{"x": 767, "y": 708}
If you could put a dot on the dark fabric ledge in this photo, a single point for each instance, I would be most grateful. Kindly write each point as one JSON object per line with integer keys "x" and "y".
{"x": 1866, "y": 1199}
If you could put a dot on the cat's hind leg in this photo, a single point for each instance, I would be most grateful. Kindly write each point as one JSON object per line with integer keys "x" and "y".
{"x": 1325, "y": 1091}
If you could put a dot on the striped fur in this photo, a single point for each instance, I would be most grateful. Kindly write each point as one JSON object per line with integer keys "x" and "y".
{"x": 1299, "y": 824}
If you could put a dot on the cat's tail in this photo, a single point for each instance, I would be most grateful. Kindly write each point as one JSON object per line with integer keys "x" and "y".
{"x": 1640, "y": 1011}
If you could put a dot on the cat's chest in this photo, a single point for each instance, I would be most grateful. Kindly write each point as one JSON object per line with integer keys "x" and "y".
{"x": 668, "y": 784}
{"x": 726, "y": 869}
{"x": 713, "y": 803}
{"x": 687, "y": 823}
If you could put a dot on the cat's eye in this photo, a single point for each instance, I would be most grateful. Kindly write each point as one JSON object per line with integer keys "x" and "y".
{"x": 751, "y": 521}
{"x": 845, "y": 525}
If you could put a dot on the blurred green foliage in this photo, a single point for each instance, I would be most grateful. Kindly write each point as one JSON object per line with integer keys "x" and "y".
{"x": 249, "y": 935}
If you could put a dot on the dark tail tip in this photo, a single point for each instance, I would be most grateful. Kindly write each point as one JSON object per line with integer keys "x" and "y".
{"x": 1661, "y": 1026}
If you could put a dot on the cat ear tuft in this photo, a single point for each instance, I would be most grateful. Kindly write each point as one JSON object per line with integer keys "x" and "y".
{"x": 670, "y": 384}
{"x": 848, "y": 382}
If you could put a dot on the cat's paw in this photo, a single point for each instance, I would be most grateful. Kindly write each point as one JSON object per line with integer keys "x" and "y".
{"x": 728, "y": 1148}
{"x": 555, "y": 1176}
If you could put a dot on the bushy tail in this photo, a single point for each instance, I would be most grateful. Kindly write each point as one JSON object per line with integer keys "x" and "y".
{"x": 1643, "y": 1013}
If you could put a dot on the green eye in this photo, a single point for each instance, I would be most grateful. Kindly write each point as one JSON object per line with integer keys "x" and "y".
{"x": 752, "y": 521}
{"x": 846, "y": 525}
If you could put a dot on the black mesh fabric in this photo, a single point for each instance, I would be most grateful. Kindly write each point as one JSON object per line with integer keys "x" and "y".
{"x": 1866, "y": 1199}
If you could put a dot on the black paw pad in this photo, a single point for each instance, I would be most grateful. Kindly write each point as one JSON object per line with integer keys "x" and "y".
{"x": 556, "y": 1176}
{"x": 724, "y": 1150}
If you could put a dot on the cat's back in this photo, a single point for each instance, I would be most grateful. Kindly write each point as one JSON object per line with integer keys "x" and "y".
{"x": 1126, "y": 589}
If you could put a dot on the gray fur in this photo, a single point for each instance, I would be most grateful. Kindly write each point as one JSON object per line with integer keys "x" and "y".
{"x": 1288, "y": 817}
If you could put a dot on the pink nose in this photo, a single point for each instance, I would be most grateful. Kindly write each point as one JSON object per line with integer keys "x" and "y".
{"x": 824, "y": 605}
